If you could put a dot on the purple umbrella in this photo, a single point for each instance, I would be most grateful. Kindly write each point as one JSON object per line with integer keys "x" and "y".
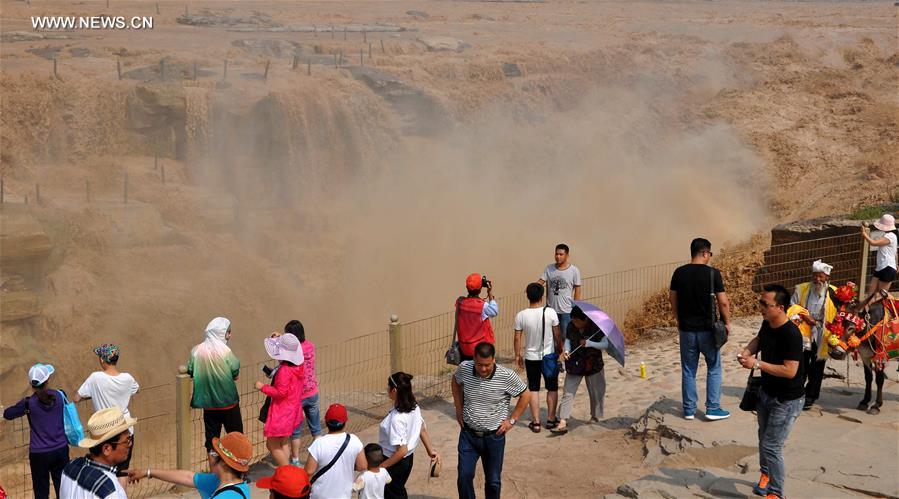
{"x": 607, "y": 325}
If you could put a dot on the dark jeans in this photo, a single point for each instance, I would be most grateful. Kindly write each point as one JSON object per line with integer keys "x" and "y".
{"x": 814, "y": 374}
{"x": 775, "y": 421}
{"x": 692, "y": 344}
{"x": 399, "y": 474}
{"x": 214, "y": 420}
{"x": 47, "y": 463}
{"x": 490, "y": 449}
{"x": 564, "y": 320}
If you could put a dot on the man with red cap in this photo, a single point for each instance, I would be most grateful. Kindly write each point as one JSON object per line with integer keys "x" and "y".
{"x": 333, "y": 458}
{"x": 473, "y": 315}
{"x": 288, "y": 482}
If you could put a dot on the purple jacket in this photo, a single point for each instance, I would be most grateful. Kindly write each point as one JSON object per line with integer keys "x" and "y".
{"x": 48, "y": 432}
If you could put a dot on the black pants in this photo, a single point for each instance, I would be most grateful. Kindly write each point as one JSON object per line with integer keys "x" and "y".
{"x": 399, "y": 474}
{"x": 814, "y": 374}
{"x": 47, "y": 463}
{"x": 214, "y": 420}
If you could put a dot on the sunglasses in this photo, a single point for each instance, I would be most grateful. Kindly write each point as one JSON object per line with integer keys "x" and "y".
{"x": 765, "y": 304}
{"x": 127, "y": 442}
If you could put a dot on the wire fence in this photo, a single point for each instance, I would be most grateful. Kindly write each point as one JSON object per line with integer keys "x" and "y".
{"x": 354, "y": 372}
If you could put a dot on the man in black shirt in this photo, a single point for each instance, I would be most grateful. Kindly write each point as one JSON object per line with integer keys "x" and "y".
{"x": 782, "y": 393}
{"x": 691, "y": 301}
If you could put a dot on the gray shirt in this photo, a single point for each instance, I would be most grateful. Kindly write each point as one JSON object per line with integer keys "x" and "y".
{"x": 560, "y": 286}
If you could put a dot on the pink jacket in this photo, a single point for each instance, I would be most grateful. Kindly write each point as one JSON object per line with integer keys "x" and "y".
{"x": 285, "y": 412}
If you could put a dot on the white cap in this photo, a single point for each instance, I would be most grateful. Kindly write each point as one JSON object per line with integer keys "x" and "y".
{"x": 819, "y": 266}
{"x": 40, "y": 373}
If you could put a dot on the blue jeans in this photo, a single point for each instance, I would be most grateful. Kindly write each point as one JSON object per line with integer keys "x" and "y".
{"x": 693, "y": 343}
{"x": 490, "y": 449}
{"x": 775, "y": 420}
{"x": 564, "y": 319}
{"x": 313, "y": 417}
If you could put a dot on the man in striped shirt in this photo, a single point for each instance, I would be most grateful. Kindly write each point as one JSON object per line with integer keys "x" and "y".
{"x": 482, "y": 390}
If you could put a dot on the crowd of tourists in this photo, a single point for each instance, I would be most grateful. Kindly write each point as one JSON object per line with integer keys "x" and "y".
{"x": 552, "y": 336}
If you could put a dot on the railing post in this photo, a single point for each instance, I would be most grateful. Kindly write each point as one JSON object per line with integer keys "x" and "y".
{"x": 395, "y": 332}
{"x": 183, "y": 424}
{"x": 862, "y": 281}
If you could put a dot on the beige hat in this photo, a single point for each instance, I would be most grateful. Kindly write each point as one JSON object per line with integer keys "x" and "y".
{"x": 104, "y": 425}
{"x": 887, "y": 223}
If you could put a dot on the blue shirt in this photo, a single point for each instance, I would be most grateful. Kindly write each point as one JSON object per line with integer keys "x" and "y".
{"x": 207, "y": 483}
{"x": 491, "y": 309}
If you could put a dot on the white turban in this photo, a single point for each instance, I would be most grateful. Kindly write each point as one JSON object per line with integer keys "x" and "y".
{"x": 819, "y": 266}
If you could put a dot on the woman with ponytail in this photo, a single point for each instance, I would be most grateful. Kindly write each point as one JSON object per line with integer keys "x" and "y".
{"x": 399, "y": 434}
{"x": 48, "y": 449}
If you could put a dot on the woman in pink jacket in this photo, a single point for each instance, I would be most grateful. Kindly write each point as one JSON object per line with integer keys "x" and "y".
{"x": 285, "y": 412}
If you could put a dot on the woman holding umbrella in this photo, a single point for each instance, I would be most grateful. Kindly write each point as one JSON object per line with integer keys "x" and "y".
{"x": 584, "y": 343}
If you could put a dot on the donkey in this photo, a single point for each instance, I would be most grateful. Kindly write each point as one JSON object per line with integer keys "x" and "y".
{"x": 871, "y": 351}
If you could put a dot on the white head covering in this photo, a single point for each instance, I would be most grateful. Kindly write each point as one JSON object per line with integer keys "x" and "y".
{"x": 819, "y": 266}
{"x": 285, "y": 347}
{"x": 217, "y": 329}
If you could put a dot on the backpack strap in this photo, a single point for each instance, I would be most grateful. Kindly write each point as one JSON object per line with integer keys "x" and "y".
{"x": 324, "y": 470}
{"x": 542, "y": 332}
{"x": 232, "y": 487}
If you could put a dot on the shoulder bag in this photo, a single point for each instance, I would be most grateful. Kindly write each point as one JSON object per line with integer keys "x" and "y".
{"x": 454, "y": 354}
{"x": 322, "y": 471}
{"x": 71, "y": 421}
{"x": 750, "y": 399}
{"x": 550, "y": 365}
{"x": 718, "y": 327}
{"x": 263, "y": 411}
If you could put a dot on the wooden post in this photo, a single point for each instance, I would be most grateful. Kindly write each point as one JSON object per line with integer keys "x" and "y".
{"x": 314, "y": 31}
{"x": 225, "y": 71}
{"x": 107, "y": 4}
{"x": 157, "y": 8}
{"x": 55, "y": 74}
{"x": 125, "y": 187}
{"x": 118, "y": 68}
{"x": 186, "y": 11}
{"x": 332, "y": 31}
{"x": 183, "y": 423}
{"x": 364, "y": 36}
{"x": 155, "y": 162}
{"x": 361, "y": 61}
{"x": 1, "y": 190}
{"x": 87, "y": 190}
{"x": 37, "y": 193}
{"x": 309, "y": 68}
{"x": 863, "y": 280}
{"x": 163, "y": 173}
{"x": 382, "y": 47}
{"x": 162, "y": 69}
{"x": 344, "y": 32}
{"x": 26, "y": 198}
{"x": 396, "y": 351}
{"x": 369, "y": 51}
{"x": 296, "y": 61}
{"x": 335, "y": 61}
{"x": 267, "y": 63}
{"x": 196, "y": 72}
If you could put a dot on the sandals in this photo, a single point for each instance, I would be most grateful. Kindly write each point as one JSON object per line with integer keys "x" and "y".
{"x": 551, "y": 423}
{"x": 534, "y": 426}
{"x": 559, "y": 431}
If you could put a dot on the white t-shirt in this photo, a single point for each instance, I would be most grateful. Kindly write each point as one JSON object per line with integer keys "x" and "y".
{"x": 371, "y": 485}
{"x": 400, "y": 428}
{"x": 337, "y": 482}
{"x": 109, "y": 391}
{"x": 529, "y": 322}
{"x": 886, "y": 255}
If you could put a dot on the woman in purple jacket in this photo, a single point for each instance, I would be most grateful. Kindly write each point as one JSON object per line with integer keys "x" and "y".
{"x": 48, "y": 449}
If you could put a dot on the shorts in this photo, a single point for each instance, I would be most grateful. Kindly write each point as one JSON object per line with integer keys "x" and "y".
{"x": 534, "y": 369}
{"x": 886, "y": 274}
{"x": 312, "y": 415}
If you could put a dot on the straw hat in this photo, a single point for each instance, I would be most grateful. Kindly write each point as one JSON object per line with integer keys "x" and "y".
{"x": 887, "y": 223}
{"x": 104, "y": 425}
{"x": 285, "y": 347}
{"x": 235, "y": 449}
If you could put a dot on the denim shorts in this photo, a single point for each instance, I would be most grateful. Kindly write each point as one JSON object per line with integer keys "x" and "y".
{"x": 313, "y": 416}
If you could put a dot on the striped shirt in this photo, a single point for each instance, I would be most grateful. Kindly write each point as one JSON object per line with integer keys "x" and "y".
{"x": 485, "y": 402}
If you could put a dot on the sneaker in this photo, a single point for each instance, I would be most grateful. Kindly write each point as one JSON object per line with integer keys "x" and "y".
{"x": 716, "y": 414}
{"x": 689, "y": 416}
{"x": 761, "y": 488}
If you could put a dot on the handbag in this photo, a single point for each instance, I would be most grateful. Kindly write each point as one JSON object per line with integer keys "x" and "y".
{"x": 71, "y": 421}
{"x": 550, "y": 361}
{"x": 453, "y": 355}
{"x": 263, "y": 411}
{"x": 718, "y": 327}
{"x": 750, "y": 399}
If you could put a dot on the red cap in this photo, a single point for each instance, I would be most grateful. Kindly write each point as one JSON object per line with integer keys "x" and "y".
{"x": 291, "y": 481}
{"x": 337, "y": 413}
{"x": 473, "y": 282}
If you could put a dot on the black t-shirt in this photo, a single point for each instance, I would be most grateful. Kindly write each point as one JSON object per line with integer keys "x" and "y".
{"x": 691, "y": 282}
{"x": 776, "y": 346}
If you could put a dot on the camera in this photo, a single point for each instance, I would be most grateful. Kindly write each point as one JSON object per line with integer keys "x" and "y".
{"x": 485, "y": 283}
{"x": 267, "y": 371}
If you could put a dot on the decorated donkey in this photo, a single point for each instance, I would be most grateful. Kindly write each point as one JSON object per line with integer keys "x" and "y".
{"x": 873, "y": 337}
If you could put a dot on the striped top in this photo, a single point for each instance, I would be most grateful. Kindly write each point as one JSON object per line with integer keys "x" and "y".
{"x": 485, "y": 403}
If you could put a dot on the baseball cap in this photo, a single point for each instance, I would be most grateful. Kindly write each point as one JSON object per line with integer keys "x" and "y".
{"x": 336, "y": 413}
{"x": 40, "y": 373}
{"x": 473, "y": 282}
{"x": 288, "y": 480}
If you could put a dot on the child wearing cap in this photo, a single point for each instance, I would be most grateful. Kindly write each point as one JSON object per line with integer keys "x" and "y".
{"x": 371, "y": 483}
{"x": 288, "y": 482}
{"x": 110, "y": 388}
{"x": 48, "y": 449}
{"x": 333, "y": 458}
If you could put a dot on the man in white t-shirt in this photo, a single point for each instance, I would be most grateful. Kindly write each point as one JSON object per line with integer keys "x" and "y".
{"x": 110, "y": 388}
{"x": 563, "y": 283}
{"x": 335, "y": 481}
{"x": 540, "y": 327}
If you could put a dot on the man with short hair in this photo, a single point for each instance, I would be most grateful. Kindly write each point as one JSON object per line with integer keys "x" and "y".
{"x": 539, "y": 325}
{"x": 482, "y": 390}
{"x": 333, "y": 457}
{"x": 781, "y": 394}
{"x": 818, "y": 298}
{"x": 110, "y": 388}
{"x": 691, "y": 298}
{"x": 563, "y": 282}
{"x": 94, "y": 475}
{"x": 473, "y": 315}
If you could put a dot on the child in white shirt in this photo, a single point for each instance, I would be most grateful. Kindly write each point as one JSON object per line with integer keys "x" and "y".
{"x": 370, "y": 484}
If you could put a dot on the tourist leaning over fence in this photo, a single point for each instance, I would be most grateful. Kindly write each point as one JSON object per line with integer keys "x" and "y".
{"x": 48, "y": 449}
{"x": 310, "y": 403}
{"x": 229, "y": 461}
{"x": 214, "y": 369}
{"x": 539, "y": 325}
{"x": 563, "y": 283}
{"x": 94, "y": 475}
{"x": 110, "y": 388}
{"x": 283, "y": 410}
{"x": 333, "y": 458}
{"x": 886, "y": 263}
{"x": 400, "y": 433}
